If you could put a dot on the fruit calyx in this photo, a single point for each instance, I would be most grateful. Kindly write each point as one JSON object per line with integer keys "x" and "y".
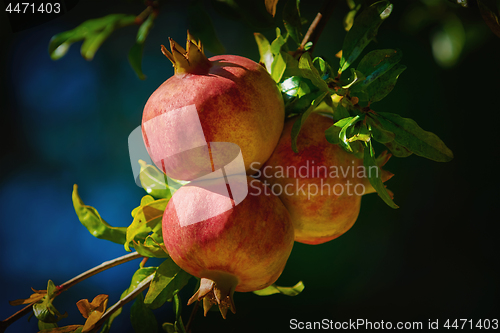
{"x": 218, "y": 289}
{"x": 191, "y": 60}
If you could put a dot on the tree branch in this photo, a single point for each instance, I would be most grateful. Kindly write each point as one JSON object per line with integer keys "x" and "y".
{"x": 318, "y": 24}
{"x": 68, "y": 284}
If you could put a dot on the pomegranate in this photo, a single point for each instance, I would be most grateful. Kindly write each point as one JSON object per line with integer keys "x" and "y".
{"x": 226, "y": 98}
{"x": 322, "y": 185}
{"x": 242, "y": 249}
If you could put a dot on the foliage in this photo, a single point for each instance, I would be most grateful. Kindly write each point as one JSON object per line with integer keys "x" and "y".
{"x": 345, "y": 90}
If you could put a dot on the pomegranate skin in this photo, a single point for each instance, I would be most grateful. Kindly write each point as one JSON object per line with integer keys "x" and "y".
{"x": 237, "y": 101}
{"x": 322, "y": 216}
{"x": 252, "y": 241}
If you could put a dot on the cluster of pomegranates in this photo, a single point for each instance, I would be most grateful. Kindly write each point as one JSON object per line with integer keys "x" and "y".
{"x": 220, "y": 124}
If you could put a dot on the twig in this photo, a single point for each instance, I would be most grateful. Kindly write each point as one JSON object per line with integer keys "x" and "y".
{"x": 318, "y": 24}
{"x": 68, "y": 284}
{"x": 140, "y": 288}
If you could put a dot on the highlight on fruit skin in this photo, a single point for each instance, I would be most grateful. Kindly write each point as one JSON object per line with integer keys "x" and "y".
{"x": 242, "y": 249}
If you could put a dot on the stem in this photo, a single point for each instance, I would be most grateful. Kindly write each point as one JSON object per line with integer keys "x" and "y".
{"x": 140, "y": 288}
{"x": 191, "y": 317}
{"x": 318, "y": 24}
{"x": 68, "y": 284}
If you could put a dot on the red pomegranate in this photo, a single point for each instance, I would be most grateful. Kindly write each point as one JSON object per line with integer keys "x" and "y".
{"x": 321, "y": 185}
{"x": 242, "y": 249}
{"x": 226, "y": 98}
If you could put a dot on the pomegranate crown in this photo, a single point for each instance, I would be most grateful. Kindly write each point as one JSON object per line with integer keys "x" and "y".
{"x": 190, "y": 60}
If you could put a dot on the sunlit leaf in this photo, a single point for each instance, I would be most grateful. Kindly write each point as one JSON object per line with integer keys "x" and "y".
{"x": 346, "y": 124}
{"x": 292, "y": 21}
{"x": 364, "y": 29}
{"x": 147, "y": 219}
{"x": 410, "y": 135}
{"x": 375, "y": 178}
{"x": 288, "y": 291}
{"x": 94, "y": 223}
{"x": 154, "y": 181}
{"x": 266, "y": 57}
{"x": 349, "y": 18}
{"x": 168, "y": 280}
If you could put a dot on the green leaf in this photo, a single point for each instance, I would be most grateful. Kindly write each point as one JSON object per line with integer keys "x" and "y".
{"x": 381, "y": 87}
{"x": 179, "y": 325}
{"x": 44, "y": 310}
{"x": 151, "y": 248}
{"x": 364, "y": 29}
{"x": 64, "y": 329}
{"x": 168, "y": 280}
{"x": 309, "y": 71}
{"x": 266, "y": 57}
{"x": 295, "y": 86}
{"x": 340, "y": 112}
{"x": 154, "y": 181}
{"x": 46, "y": 326}
{"x": 201, "y": 27}
{"x": 344, "y": 142}
{"x": 297, "y": 125}
{"x": 292, "y": 21}
{"x": 375, "y": 64}
{"x": 288, "y": 291}
{"x": 278, "y": 68}
{"x": 332, "y": 135}
{"x": 91, "y": 219}
{"x": 323, "y": 67}
{"x": 370, "y": 162}
{"x": 349, "y": 18}
{"x": 410, "y": 135}
{"x": 300, "y": 105}
{"x": 354, "y": 79}
{"x": 142, "y": 318}
{"x": 378, "y": 133}
{"x": 397, "y": 149}
{"x": 135, "y": 53}
{"x": 94, "y": 32}
{"x": 146, "y": 219}
{"x": 168, "y": 327}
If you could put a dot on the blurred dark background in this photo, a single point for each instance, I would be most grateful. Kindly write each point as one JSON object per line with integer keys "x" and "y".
{"x": 67, "y": 121}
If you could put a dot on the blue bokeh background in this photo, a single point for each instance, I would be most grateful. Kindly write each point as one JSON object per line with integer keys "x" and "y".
{"x": 67, "y": 121}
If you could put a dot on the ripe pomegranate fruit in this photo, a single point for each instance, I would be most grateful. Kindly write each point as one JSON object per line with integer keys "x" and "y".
{"x": 242, "y": 249}
{"x": 233, "y": 98}
{"x": 321, "y": 186}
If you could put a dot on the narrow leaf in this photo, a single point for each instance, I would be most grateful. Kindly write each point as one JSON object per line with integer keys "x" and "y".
{"x": 375, "y": 64}
{"x": 364, "y": 29}
{"x": 370, "y": 162}
{"x": 168, "y": 280}
{"x": 491, "y": 15}
{"x": 271, "y": 6}
{"x": 135, "y": 53}
{"x": 154, "y": 181}
{"x": 266, "y": 57}
{"x": 397, "y": 149}
{"x": 309, "y": 71}
{"x": 288, "y": 291}
{"x": 91, "y": 219}
{"x": 410, "y": 135}
{"x": 381, "y": 87}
